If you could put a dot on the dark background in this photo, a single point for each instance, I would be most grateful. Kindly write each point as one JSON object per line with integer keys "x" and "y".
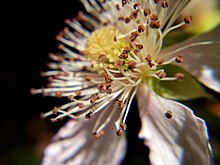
{"x": 28, "y": 35}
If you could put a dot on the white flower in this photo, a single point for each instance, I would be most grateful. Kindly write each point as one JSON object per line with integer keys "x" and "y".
{"x": 110, "y": 55}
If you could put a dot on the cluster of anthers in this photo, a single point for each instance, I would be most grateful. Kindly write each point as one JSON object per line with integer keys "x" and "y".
{"x": 106, "y": 55}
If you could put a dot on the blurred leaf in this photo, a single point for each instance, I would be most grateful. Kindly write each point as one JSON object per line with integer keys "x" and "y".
{"x": 186, "y": 89}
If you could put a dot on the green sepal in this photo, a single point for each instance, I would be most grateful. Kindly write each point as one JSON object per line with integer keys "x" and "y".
{"x": 186, "y": 89}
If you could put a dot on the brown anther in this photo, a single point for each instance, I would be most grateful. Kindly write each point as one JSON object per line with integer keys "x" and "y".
{"x": 136, "y": 5}
{"x": 139, "y": 46}
{"x": 88, "y": 78}
{"x": 132, "y": 64}
{"x": 108, "y": 79}
{"x": 115, "y": 38}
{"x": 53, "y": 120}
{"x": 164, "y": 4}
{"x": 160, "y": 61}
{"x": 71, "y": 97}
{"x": 119, "y": 132}
{"x": 54, "y": 110}
{"x": 121, "y": 106}
{"x": 78, "y": 93}
{"x": 179, "y": 59}
{"x": 93, "y": 99}
{"x": 121, "y": 18}
{"x": 179, "y": 76}
{"x": 119, "y": 63}
{"x": 59, "y": 94}
{"x": 81, "y": 105}
{"x": 123, "y": 126}
{"x": 127, "y": 49}
{"x": 101, "y": 87}
{"x": 117, "y": 7}
{"x": 147, "y": 11}
{"x": 133, "y": 36}
{"x": 156, "y": 1}
{"x": 148, "y": 58}
{"x": 188, "y": 19}
{"x": 88, "y": 115}
{"x": 141, "y": 28}
{"x": 123, "y": 55}
{"x": 32, "y": 91}
{"x": 154, "y": 17}
{"x": 136, "y": 51}
{"x": 60, "y": 58}
{"x": 134, "y": 14}
{"x": 161, "y": 75}
{"x": 127, "y": 20}
{"x": 123, "y": 2}
{"x": 98, "y": 135}
{"x": 169, "y": 114}
{"x": 102, "y": 56}
{"x": 42, "y": 116}
{"x": 109, "y": 91}
{"x": 155, "y": 24}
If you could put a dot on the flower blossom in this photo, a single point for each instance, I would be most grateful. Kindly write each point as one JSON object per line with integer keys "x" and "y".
{"x": 113, "y": 53}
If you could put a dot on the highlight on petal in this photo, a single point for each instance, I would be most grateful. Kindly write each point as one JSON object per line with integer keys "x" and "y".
{"x": 201, "y": 57}
{"x": 74, "y": 144}
{"x": 171, "y": 130}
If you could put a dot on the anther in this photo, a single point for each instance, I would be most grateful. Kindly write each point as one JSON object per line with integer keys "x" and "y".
{"x": 160, "y": 61}
{"x": 123, "y": 2}
{"x": 119, "y": 63}
{"x": 127, "y": 20}
{"x": 53, "y": 120}
{"x": 136, "y": 5}
{"x": 119, "y": 132}
{"x": 98, "y": 135}
{"x": 32, "y": 91}
{"x": 141, "y": 28}
{"x": 179, "y": 76}
{"x": 127, "y": 49}
{"x": 88, "y": 115}
{"x": 131, "y": 64}
{"x": 134, "y": 14}
{"x": 155, "y": 24}
{"x": 109, "y": 91}
{"x": 179, "y": 59}
{"x": 54, "y": 110}
{"x": 115, "y": 38}
{"x": 133, "y": 36}
{"x": 123, "y": 55}
{"x": 78, "y": 93}
{"x": 108, "y": 79}
{"x": 169, "y": 114}
{"x": 139, "y": 46}
{"x": 156, "y": 1}
{"x": 88, "y": 78}
{"x": 117, "y": 7}
{"x": 164, "y": 4}
{"x": 101, "y": 87}
{"x": 123, "y": 126}
{"x": 188, "y": 19}
{"x": 102, "y": 57}
{"x": 154, "y": 17}
{"x": 161, "y": 75}
{"x": 59, "y": 94}
{"x": 81, "y": 105}
{"x": 147, "y": 12}
{"x": 93, "y": 99}
{"x": 71, "y": 97}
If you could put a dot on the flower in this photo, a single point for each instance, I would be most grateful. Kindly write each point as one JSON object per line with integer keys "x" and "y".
{"x": 112, "y": 54}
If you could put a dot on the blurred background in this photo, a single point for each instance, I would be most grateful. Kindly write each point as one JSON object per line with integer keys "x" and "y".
{"x": 30, "y": 33}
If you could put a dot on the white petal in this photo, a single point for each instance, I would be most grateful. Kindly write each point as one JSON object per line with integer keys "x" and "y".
{"x": 74, "y": 144}
{"x": 180, "y": 140}
{"x": 201, "y": 57}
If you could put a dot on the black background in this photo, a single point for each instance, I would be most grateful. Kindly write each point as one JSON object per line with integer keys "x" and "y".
{"x": 28, "y": 35}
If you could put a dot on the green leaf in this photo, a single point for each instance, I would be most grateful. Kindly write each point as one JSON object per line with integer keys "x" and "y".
{"x": 186, "y": 89}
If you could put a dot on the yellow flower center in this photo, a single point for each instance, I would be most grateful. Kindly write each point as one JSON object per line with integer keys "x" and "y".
{"x": 102, "y": 47}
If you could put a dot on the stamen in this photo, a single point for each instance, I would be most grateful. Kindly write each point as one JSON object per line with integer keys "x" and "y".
{"x": 179, "y": 59}
{"x": 179, "y": 76}
{"x": 169, "y": 114}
